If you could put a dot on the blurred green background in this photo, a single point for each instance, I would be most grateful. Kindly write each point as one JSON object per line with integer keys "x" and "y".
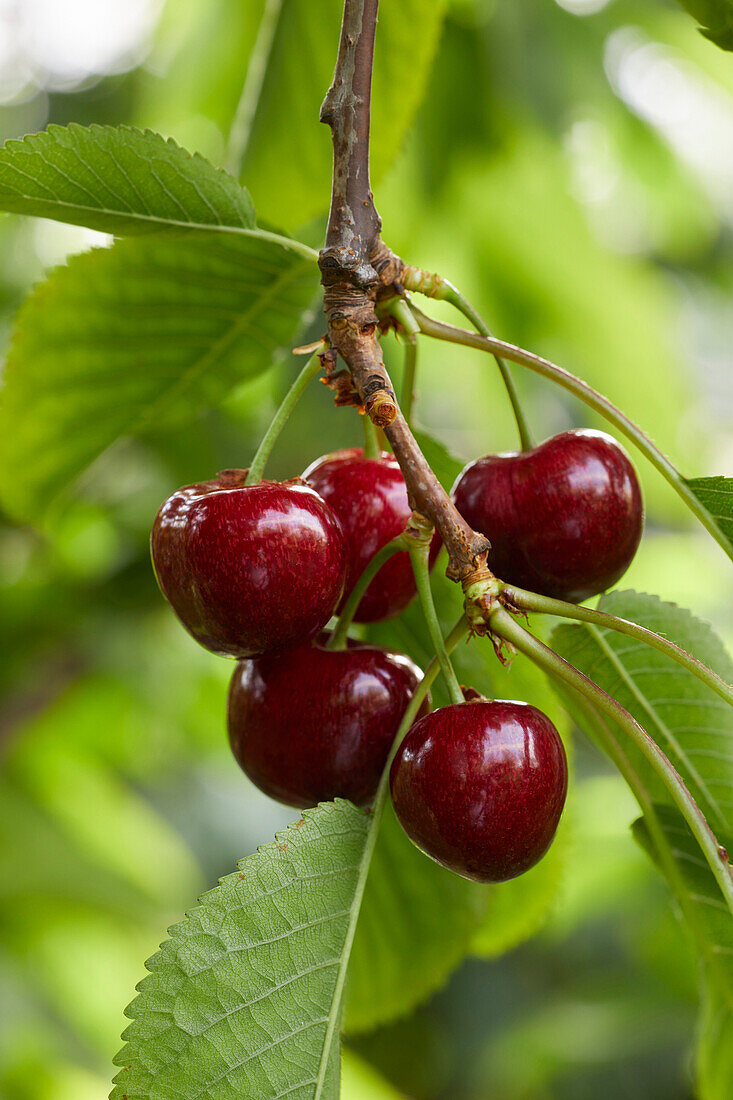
{"x": 571, "y": 169}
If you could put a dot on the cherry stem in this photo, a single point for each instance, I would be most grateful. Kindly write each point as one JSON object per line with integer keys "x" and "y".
{"x": 371, "y": 438}
{"x": 380, "y": 800}
{"x": 401, "y": 312}
{"x": 506, "y": 627}
{"x": 339, "y": 637}
{"x": 257, "y": 468}
{"x": 452, "y": 295}
{"x": 460, "y": 630}
{"x": 532, "y": 601}
{"x": 591, "y": 397}
{"x": 610, "y": 744}
{"x": 419, "y": 556}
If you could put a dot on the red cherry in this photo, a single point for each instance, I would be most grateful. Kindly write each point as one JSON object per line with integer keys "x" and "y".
{"x": 369, "y": 496}
{"x": 480, "y": 786}
{"x": 564, "y": 519}
{"x": 249, "y": 569}
{"x": 315, "y": 724}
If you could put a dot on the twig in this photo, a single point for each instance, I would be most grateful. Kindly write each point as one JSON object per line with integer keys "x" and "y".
{"x": 355, "y": 266}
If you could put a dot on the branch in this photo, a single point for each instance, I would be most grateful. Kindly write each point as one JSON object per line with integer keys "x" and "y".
{"x": 353, "y": 224}
{"x": 356, "y": 267}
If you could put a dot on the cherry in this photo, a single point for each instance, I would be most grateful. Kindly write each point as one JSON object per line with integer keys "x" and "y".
{"x": 479, "y": 787}
{"x": 314, "y": 724}
{"x": 249, "y": 569}
{"x": 564, "y": 519}
{"x": 369, "y": 496}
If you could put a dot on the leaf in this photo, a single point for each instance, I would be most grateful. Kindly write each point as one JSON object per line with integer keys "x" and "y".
{"x": 686, "y": 719}
{"x": 716, "y": 17}
{"x": 118, "y": 180}
{"x": 709, "y": 922}
{"x": 287, "y": 157}
{"x": 197, "y": 1031}
{"x": 416, "y": 925}
{"x": 716, "y": 496}
{"x": 242, "y": 1000}
{"x": 121, "y": 338}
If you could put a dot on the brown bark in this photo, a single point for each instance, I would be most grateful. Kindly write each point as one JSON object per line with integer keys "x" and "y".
{"x": 357, "y": 269}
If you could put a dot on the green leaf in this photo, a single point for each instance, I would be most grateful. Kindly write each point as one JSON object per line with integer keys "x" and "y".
{"x": 716, "y": 496}
{"x": 287, "y": 154}
{"x": 686, "y": 719}
{"x": 245, "y": 998}
{"x": 708, "y": 919}
{"x": 716, "y": 17}
{"x": 416, "y": 925}
{"x": 242, "y": 1000}
{"x": 122, "y": 338}
{"x": 118, "y": 180}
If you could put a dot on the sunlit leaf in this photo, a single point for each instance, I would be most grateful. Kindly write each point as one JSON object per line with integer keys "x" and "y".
{"x": 122, "y": 338}
{"x": 716, "y": 495}
{"x": 118, "y": 180}
{"x": 243, "y": 999}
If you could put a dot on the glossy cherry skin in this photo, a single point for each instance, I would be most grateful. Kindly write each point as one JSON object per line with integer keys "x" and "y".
{"x": 249, "y": 569}
{"x": 564, "y": 519}
{"x": 315, "y": 724}
{"x": 369, "y": 496}
{"x": 480, "y": 786}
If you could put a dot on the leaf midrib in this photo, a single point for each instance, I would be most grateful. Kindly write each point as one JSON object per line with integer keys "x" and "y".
{"x": 174, "y": 224}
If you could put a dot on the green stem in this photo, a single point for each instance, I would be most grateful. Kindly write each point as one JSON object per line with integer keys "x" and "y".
{"x": 339, "y": 636}
{"x": 419, "y": 556}
{"x": 610, "y": 744}
{"x": 307, "y": 374}
{"x": 453, "y": 295}
{"x": 375, "y": 815}
{"x": 408, "y": 381}
{"x": 591, "y": 397}
{"x": 460, "y": 630}
{"x": 241, "y": 128}
{"x": 402, "y": 312}
{"x": 506, "y": 627}
{"x": 371, "y": 439}
{"x": 532, "y": 601}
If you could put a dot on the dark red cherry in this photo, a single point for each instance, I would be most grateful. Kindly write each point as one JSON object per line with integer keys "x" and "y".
{"x": 369, "y": 497}
{"x": 564, "y": 519}
{"x": 315, "y": 724}
{"x": 480, "y": 786}
{"x": 249, "y": 569}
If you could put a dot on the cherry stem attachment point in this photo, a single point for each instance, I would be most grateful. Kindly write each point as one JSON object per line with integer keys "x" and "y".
{"x": 311, "y": 369}
{"x": 532, "y": 601}
{"x": 340, "y": 635}
{"x": 419, "y": 556}
{"x": 506, "y": 627}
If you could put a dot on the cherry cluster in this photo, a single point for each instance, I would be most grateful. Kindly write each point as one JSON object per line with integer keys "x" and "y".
{"x": 256, "y": 571}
